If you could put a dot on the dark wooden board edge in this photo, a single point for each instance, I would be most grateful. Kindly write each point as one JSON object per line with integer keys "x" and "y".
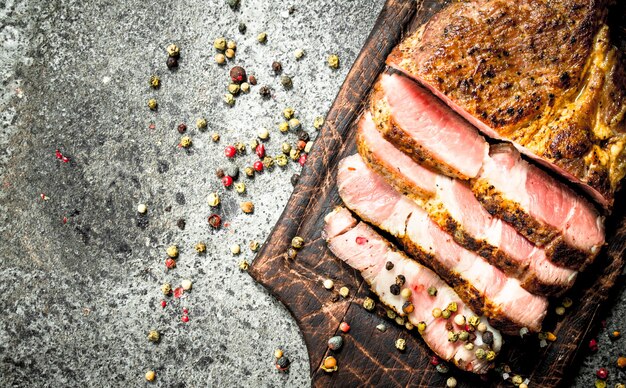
{"x": 368, "y": 356}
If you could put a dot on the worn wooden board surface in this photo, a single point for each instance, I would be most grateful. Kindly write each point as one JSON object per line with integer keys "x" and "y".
{"x": 368, "y": 356}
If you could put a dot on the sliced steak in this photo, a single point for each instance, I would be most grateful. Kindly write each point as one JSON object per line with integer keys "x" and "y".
{"x": 542, "y": 74}
{"x": 539, "y": 207}
{"x": 417, "y": 123}
{"x": 481, "y": 285}
{"x": 380, "y": 264}
{"x": 451, "y": 204}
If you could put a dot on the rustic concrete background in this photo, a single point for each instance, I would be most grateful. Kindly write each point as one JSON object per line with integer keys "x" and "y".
{"x": 78, "y": 298}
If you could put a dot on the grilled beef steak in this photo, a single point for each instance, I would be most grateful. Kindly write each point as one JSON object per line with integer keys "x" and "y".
{"x": 484, "y": 287}
{"x": 380, "y": 265}
{"x": 542, "y": 74}
{"x": 451, "y": 204}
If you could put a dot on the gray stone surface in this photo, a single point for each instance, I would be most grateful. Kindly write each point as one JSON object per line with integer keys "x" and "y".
{"x": 78, "y": 298}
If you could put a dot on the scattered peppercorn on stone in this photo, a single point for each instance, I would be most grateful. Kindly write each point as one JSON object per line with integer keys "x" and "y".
{"x": 294, "y": 124}
{"x": 185, "y": 142}
{"x": 298, "y": 54}
{"x": 229, "y": 99}
{"x": 333, "y": 61}
{"x": 201, "y": 123}
{"x": 247, "y": 207}
{"x": 318, "y": 122}
{"x": 154, "y": 336}
{"x": 172, "y": 251}
{"x": 254, "y": 245}
{"x": 263, "y": 134}
{"x": 186, "y": 284}
{"x": 142, "y": 208}
{"x": 220, "y": 59}
{"x": 150, "y": 375}
{"x": 286, "y": 81}
{"x": 282, "y": 364}
{"x": 166, "y": 288}
{"x": 220, "y": 44}
{"x": 200, "y": 247}
{"x": 262, "y": 37}
{"x": 235, "y": 249}
{"x": 244, "y": 265}
{"x": 240, "y": 187}
{"x": 155, "y": 82}
{"x": 288, "y": 113}
{"x": 153, "y": 104}
{"x": 283, "y": 127}
{"x": 173, "y": 50}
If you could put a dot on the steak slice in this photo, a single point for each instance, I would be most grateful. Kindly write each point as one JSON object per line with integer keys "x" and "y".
{"x": 482, "y": 286}
{"x": 417, "y": 123}
{"x": 451, "y": 204}
{"x": 542, "y": 74}
{"x": 540, "y": 208}
{"x": 380, "y": 264}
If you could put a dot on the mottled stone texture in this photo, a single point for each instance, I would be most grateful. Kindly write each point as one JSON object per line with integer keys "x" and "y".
{"x": 79, "y": 298}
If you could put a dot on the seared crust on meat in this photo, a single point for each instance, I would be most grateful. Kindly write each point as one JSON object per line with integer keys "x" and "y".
{"x": 395, "y": 134}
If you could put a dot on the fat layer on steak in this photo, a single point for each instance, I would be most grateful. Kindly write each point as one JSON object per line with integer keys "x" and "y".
{"x": 510, "y": 188}
{"x": 451, "y": 204}
{"x": 357, "y": 244}
{"x": 481, "y": 285}
{"x": 542, "y": 74}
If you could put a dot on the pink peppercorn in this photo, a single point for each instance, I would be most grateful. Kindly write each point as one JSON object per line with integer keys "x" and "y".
{"x": 170, "y": 263}
{"x": 602, "y": 373}
{"x": 344, "y": 327}
{"x": 163, "y": 303}
{"x": 185, "y": 318}
{"x": 227, "y": 180}
{"x": 434, "y": 360}
{"x": 593, "y": 345}
{"x": 230, "y": 151}
{"x": 260, "y": 151}
{"x": 302, "y": 159}
{"x": 258, "y": 166}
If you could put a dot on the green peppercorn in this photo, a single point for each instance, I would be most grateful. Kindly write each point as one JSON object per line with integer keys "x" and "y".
{"x": 391, "y": 314}
{"x": 294, "y": 154}
{"x": 245, "y": 87}
{"x": 286, "y": 148}
{"x": 400, "y": 344}
{"x": 437, "y": 312}
{"x": 262, "y": 37}
{"x": 432, "y": 291}
{"x": 318, "y": 122}
{"x": 234, "y": 89}
{"x": 369, "y": 304}
{"x": 463, "y": 336}
{"x": 288, "y": 113}
{"x": 452, "y": 336}
{"x": 154, "y": 336}
{"x": 283, "y": 127}
{"x": 517, "y": 380}
{"x": 229, "y": 99}
{"x": 155, "y": 82}
{"x": 297, "y": 242}
{"x": 453, "y": 307}
{"x": 152, "y": 104}
{"x": 254, "y": 245}
{"x": 185, "y": 142}
{"x": 295, "y": 124}
{"x": 480, "y": 353}
{"x": 473, "y": 320}
{"x": 173, "y": 50}
{"x": 268, "y": 162}
{"x": 286, "y": 81}
{"x": 249, "y": 172}
{"x": 215, "y": 137}
{"x": 445, "y": 313}
{"x": 240, "y": 147}
{"x": 490, "y": 355}
{"x": 421, "y": 327}
{"x": 253, "y": 144}
{"x": 220, "y": 44}
{"x": 240, "y": 187}
{"x": 281, "y": 160}
{"x": 298, "y": 54}
{"x": 333, "y": 61}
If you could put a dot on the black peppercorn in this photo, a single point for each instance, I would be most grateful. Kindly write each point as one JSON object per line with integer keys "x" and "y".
{"x": 395, "y": 289}
{"x": 294, "y": 179}
{"x": 303, "y": 135}
{"x": 242, "y": 28}
{"x": 172, "y": 62}
{"x": 182, "y": 128}
{"x": 286, "y": 81}
{"x": 389, "y": 266}
{"x": 265, "y": 91}
{"x": 283, "y": 363}
{"x": 181, "y": 224}
{"x": 233, "y": 172}
{"x": 400, "y": 280}
{"x": 220, "y": 173}
{"x": 277, "y": 67}
{"x": 488, "y": 337}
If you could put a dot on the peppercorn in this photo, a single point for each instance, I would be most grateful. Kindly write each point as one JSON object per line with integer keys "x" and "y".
{"x": 329, "y": 365}
{"x": 335, "y": 343}
{"x": 615, "y": 335}
{"x": 231, "y": 44}
{"x": 173, "y": 50}
{"x": 258, "y": 166}
{"x": 451, "y": 382}
{"x": 400, "y": 280}
{"x": 235, "y": 249}
{"x": 459, "y": 320}
{"x": 297, "y": 242}
{"x": 240, "y": 187}
{"x": 344, "y": 327}
{"x": 265, "y": 91}
{"x": 230, "y": 151}
{"x": 277, "y": 67}
{"x": 249, "y": 171}
{"x": 142, "y": 208}
{"x": 242, "y": 28}
{"x": 445, "y": 313}
{"x": 294, "y": 154}
{"x": 463, "y": 336}
{"x": 268, "y": 162}
{"x": 400, "y": 320}
{"x": 432, "y": 291}
{"x": 230, "y": 53}
{"x": 229, "y": 99}
{"x": 300, "y": 145}
{"x": 295, "y": 125}
{"x": 408, "y": 307}
{"x": 292, "y": 253}
{"x": 344, "y": 291}
{"x": 282, "y": 364}
{"x": 281, "y": 160}
{"x": 262, "y": 37}
{"x": 567, "y": 302}
{"x": 482, "y": 327}
{"x": 220, "y": 44}
{"x": 369, "y": 304}
{"x": 240, "y": 148}
{"x": 247, "y": 207}
{"x": 621, "y": 362}
{"x": 233, "y": 172}
{"x": 220, "y": 58}
{"x": 278, "y": 353}
{"x": 220, "y": 174}
{"x": 201, "y": 124}
{"x": 254, "y": 245}
{"x": 473, "y": 320}
{"x": 480, "y": 353}
{"x": 244, "y": 265}
{"x": 233, "y": 4}
{"x": 200, "y": 248}
{"x": 328, "y": 284}
{"x": 318, "y": 122}
{"x": 286, "y": 81}
{"x": 453, "y": 307}
{"x": 260, "y": 151}
{"x": 288, "y": 113}
{"x": 171, "y": 63}
{"x": 389, "y": 266}
{"x": 437, "y": 312}
{"x": 452, "y": 336}
{"x": 166, "y": 288}
{"x": 381, "y": 327}
{"x": 333, "y": 61}
{"x": 233, "y": 89}
{"x": 549, "y": 336}
{"x": 391, "y": 314}
{"x": 442, "y": 368}
{"x": 263, "y": 133}
{"x": 172, "y": 251}
{"x": 394, "y": 289}
{"x": 215, "y": 221}
{"x": 245, "y": 87}
{"x": 227, "y": 181}
{"x": 406, "y": 293}
{"x": 170, "y": 263}
{"x": 154, "y": 336}
{"x": 298, "y": 54}
{"x": 237, "y": 74}
{"x": 487, "y": 337}
{"x": 155, "y": 81}
{"x": 150, "y": 375}
{"x": 401, "y": 344}
{"x": 469, "y": 346}
{"x": 152, "y": 104}
{"x": 181, "y": 224}
{"x": 294, "y": 179}
{"x": 185, "y": 142}
{"x": 252, "y": 80}
{"x": 559, "y": 310}
{"x": 182, "y": 128}
{"x": 283, "y": 127}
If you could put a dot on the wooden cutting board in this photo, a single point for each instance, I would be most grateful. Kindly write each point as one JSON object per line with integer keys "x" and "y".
{"x": 368, "y": 356}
